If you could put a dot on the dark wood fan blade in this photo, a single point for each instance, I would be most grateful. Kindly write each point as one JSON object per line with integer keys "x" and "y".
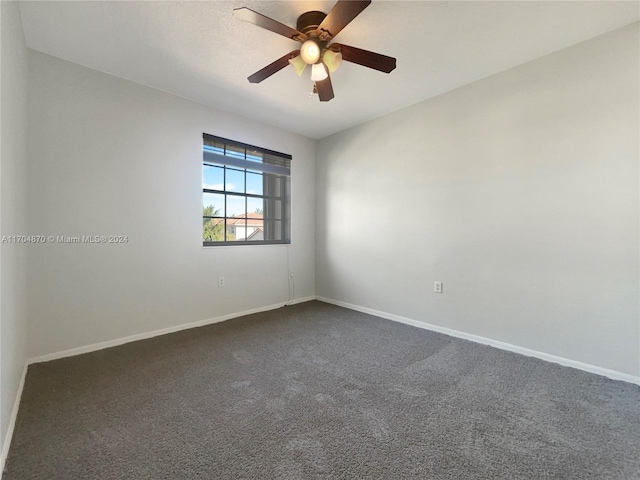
{"x": 365, "y": 58}
{"x": 248, "y": 15}
{"x": 272, "y": 68}
{"x": 325, "y": 89}
{"x": 340, "y": 15}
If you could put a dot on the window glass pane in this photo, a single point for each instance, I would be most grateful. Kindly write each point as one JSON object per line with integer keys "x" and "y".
{"x": 255, "y": 229}
{"x": 235, "y": 152}
{"x": 213, "y": 229}
{"x": 234, "y": 180}
{"x": 231, "y": 229}
{"x": 240, "y": 226}
{"x": 254, "y": 183}
{"x": 255, "y": 206}
{"x": 236, "y": 206}
{"x": 212, "y": 177}
{"x": 212, "y": 205}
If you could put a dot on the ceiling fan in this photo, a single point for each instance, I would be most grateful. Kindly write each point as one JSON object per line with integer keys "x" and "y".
{"x": 315, "y": 30}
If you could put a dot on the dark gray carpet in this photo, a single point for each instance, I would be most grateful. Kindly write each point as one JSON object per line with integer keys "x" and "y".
{"x": 316, "y": 391}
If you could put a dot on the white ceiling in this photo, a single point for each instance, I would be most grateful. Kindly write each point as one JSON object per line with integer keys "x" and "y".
{"x": 199, "y": 51}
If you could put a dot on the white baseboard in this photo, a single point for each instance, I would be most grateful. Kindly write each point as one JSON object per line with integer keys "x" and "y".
{"x": 12, "y": 421}
{"x": 615, "y": 375}
{"x": 143, "y": 336}
{"x": 301, "y": 300}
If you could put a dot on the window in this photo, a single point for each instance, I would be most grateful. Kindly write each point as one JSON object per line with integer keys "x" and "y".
{"x": 245, "y": 194}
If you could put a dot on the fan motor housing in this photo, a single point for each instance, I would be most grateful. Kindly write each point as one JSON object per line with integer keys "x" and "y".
{"x": 309, "y": 21}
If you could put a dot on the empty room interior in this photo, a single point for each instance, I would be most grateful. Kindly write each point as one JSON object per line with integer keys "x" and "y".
{"x": 320, "y": 240}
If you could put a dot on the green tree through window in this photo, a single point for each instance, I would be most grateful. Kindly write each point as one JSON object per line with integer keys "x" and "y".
{"x": 213, "y": 228}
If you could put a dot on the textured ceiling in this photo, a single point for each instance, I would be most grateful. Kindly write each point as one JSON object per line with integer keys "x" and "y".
{"x": 199, "y": 51}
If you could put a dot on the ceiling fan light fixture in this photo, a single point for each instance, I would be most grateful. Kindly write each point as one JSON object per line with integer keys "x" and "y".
{"x": 332, "y": 60}
{"x": 318, "y": 72}
{"x": 298, "y": 64}
{"x": 315, "y": 31}
{"x": 310, "y": 52}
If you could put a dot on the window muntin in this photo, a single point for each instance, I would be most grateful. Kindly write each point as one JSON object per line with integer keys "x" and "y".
{"x": 245, "y": 193}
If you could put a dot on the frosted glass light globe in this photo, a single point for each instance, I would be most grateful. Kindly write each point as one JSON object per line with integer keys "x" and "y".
{"x": 318, "y": 72}
{"x": 310, "y": 52}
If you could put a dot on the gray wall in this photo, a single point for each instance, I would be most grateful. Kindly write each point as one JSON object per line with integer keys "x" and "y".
{"x": 519, "y": 192}
{"x": 113, "y": 157}
{"x": 13, "y": 212}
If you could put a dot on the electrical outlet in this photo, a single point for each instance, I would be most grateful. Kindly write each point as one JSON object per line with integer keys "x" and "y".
{"x": 221, "y": 281}
{"x": 291, "y": 273}
{"x": 437, "y": 287}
